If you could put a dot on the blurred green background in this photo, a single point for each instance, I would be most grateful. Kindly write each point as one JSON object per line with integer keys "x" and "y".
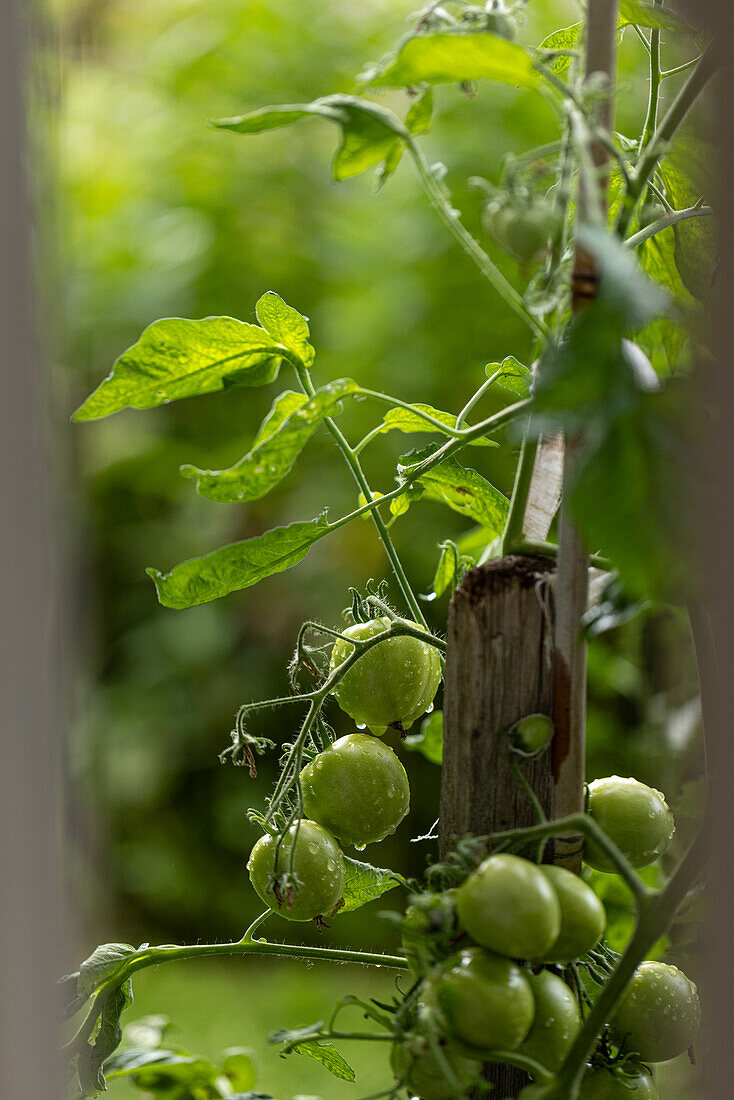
{"x": 157, "y": 215}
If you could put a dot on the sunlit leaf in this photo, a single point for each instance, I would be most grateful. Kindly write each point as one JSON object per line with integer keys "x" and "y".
{"x": 429, "y": 741}
{"x": 177, "y": 358}
{"x": 566, "y": 39}
{"x": 649, "y": 15}
{"x": 464, "y": 490}
{"x": 237, "y": 566}
{"x": 455, "y": 57}
{"x": 286, "y": 325}
{"x": 404, "y": 420}
{"x": 274, "y": 451}
{"x": 330, "y": 1059}
{"x": 364, "y": 883}
{"x": 513, "y": 376}
{"x": 418, "y": 118}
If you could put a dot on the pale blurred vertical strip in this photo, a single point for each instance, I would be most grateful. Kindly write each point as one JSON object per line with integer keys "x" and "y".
{"x": 717, "y": 566}
{"x": 30, "y": 895}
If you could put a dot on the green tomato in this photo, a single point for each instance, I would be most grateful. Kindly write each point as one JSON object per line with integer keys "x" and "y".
{"x": 521, "y": 230}
{"x": 357, "y": 789}
{"x": 429, "y": 927}
{"x": 634, "y": 816}
{"x": 635, "y": 1083}
{"x": 318, "y": 866}
{"x": 659, "y": 1015}
{"x": 509, "y": 906}
{"x": 395, "y": 681}
{"x": 485, "y": 999}
{"x": 557, "y": 1020}
{"x": 583, "y": 917}
{"x": 415, "y": 1065}
{"x": 533, "y": 732}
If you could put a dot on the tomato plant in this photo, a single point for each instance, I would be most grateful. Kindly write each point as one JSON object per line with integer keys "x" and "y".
{"x": 503, "y": 945}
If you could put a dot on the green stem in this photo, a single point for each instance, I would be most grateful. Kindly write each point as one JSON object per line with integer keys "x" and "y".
{"x": 651, "y": 120}
{"x": 513, "y": 535}
{"x": 665, "y": 222}
{"x": 673, "y": 118}
{"x": 473, "y": 249}
{"x": 396, "y": 402}
{"x": 476, "y": 397}
{"x": 549, "y": 549}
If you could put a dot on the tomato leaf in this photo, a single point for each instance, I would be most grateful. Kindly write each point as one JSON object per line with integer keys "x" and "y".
{"x": 330, "y": 1059}
{"x": 101, "y": 966}
{"x": 461, "y": 488}
{"x": 514, "y": 375}
{"x": 286, "y": 325}
{"x": 105, "y": 1039}
{"x": 237, "y": 566}
{"x": 177, "y": 358}
{"x": 369, "y": 132}
{"x": 455, "y": 57}
{"x": 277, "y": 446}
{"x": 364, "y": 883}
{"x": 566, "y": 39}
{"x": 646, "y": 15}
{"x": 429, "y": 741}
{"x": 404, "y": 420}
{"x": 147, "y": 1065}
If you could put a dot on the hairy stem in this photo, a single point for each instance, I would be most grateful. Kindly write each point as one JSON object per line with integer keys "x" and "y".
{"x": 665, "y": 222}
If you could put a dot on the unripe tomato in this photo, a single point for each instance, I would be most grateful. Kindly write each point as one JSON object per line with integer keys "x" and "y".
{"x": 634, "y": 816}
{"x": 659, "y": 1016}
{"x": 509, "y": 906}
{"x": 429, "y": 927}
{"x": 357, "y": 789}
{"x": 395, "y": 681}
{"x": 317, "y": 864}
{"x": 522, "y": 230}
{"x": 485, "y": 999}
{"x": 635, "y": 1083}
{"x": 557, "y": 1020}
{"x": 533, "y": 732}
{"x": 583, "y": 917}
{"x": 416, "y": 1066}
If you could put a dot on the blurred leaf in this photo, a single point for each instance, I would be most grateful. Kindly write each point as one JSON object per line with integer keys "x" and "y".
{"x": 370, "y": 133}
{"x": 177, "y": 358}
{"x": 275, "y": 451}
{"x": 614, "y": 607}
{"x": 102, "y": 964}
{"x": 419, "y": 117}
{"x": 237, "y": 566}
{"x": 329, "y": 1057}
{"x": 647, "y": 15}
{"x": 403, "y": 420}
{"x": 565, "y": 39}
{"x": 178, "y": 1065}
{"x": 238, "y": 1067}
{"x": 364, "y": 883}
{"x": 429, "y": 741}
{"x": 456, "y": 57}
{"x": 464, "y": 490}
{"x": 286, "y": 325}
{"x": 514, "y": 376}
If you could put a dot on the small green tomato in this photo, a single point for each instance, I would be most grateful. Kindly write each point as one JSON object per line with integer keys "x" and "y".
{"x": 429, "y": 926}
{"x": 532, "y": 733}
{"x": 318, "y": 866}
{"x": 557, "y": 1020}
{"x": 416, "y": 1066}
{"x": 632, "y": 1083}
{"x": 509, "y": 906}
{"x": 357, "y": 789}
{"x": 583, "y": 917}
{"x": 636, "y": 817}
{"x": 394, "y": 681}
{"x": 659, "y": 1015}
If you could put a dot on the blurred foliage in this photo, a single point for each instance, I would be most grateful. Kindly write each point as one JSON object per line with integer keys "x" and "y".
{"x": 157, "y": 215}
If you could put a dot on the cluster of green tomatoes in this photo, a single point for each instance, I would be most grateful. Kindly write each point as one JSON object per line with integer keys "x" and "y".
{"x": 493, "y": 955}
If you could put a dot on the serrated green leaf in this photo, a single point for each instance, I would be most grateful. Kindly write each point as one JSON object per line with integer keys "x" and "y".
{"x": 177, "y": 358}
{"x": 565, "y": 39}
{"x": 369, "y": 132}
{"x": 455, "y": 57}
{"x": 404, "y": 420}
{"x": 513, "y": 376}
{"x": 286, "y": 325}
{"x": 237, "y": 566}
{"x": 364, "y": 883}
{"x": 102, "y": 964}
{"x": 464, "y": 491}
{"x": 275, "y": 452}
{"x": 429, "y": 741}
{"x": 330, "y": 1059}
